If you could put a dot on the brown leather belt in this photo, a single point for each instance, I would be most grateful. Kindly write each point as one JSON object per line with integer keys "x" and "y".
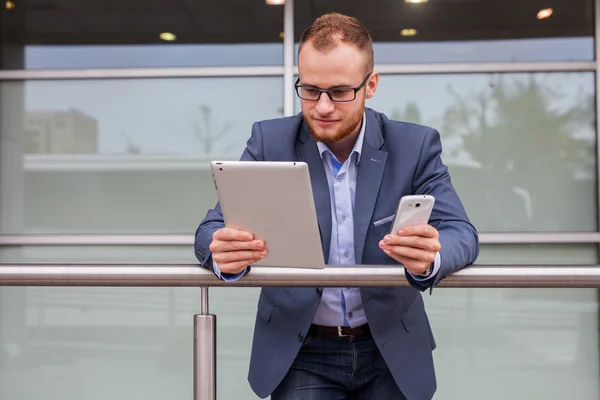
{"x": 359, "y": 332}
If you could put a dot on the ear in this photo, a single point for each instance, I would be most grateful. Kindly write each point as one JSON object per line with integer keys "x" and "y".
{"x": 372, "y": 84}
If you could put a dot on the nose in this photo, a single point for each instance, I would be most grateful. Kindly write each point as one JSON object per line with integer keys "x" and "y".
{"x": 324, "y": 105}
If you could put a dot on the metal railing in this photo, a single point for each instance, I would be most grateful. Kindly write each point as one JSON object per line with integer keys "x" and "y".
{"x": 191, "y": 275}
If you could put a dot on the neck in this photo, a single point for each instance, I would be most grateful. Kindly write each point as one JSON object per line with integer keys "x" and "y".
{"x": 342, "y": 148}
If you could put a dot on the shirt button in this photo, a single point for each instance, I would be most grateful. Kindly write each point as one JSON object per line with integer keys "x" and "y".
{"x": 344, "y": 217}
{"x": 301, "y": 337}
{"x": 341, "y": 178}
{"x": 346, "y": 254}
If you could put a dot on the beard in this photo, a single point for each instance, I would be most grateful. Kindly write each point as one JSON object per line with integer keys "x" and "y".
{"x": 348, "y": 126}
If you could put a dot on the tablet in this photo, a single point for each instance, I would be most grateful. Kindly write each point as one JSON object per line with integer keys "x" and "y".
{"x": 274, "y": 201}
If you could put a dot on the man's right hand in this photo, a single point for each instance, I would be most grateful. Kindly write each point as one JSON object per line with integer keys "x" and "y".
{"x": 233, "y": 250}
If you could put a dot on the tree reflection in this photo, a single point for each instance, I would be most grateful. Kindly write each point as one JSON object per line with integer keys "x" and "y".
{"x": 206, "y": 133}
{"x": 410, "y": 113}
{"x": 522, "y": 154}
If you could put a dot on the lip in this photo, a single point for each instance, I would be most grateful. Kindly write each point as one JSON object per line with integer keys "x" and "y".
{"x": 325, "y": 122}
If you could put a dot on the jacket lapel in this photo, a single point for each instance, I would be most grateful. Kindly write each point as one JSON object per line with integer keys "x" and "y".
{"x": 368, "y": 182}
{"x": 309, "y": 153}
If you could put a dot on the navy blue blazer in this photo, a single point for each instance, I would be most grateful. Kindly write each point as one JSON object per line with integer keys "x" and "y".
{"x": 397, "y": 159}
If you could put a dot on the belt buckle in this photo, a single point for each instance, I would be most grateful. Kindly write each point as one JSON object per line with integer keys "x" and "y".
{"x": 340, "y": 334}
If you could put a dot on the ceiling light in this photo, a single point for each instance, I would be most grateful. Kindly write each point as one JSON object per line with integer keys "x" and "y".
{"x": 408, "y": 32}
{"x": 416, "y": 1}
{"x": 9, "y": 5}
{"x": 275, "y": 2}
{"x": 545, "y": 13}
{"x": 168, "y": 36}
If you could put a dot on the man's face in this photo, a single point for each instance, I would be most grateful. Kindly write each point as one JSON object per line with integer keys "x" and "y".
{"x": 344, "y": 66}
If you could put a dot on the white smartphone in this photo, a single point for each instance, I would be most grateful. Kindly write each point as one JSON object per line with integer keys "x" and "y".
{"x": 413, "y": 210}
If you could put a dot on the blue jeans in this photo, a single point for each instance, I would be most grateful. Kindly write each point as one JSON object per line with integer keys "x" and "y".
{"x": 331, "y": 368}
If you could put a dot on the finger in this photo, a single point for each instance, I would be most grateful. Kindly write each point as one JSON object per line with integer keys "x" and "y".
{"x": 412, "y": 253}
{"x": 235, "y": 267}
{"x": 424, "y": 230}
{"x": 233, "y": 226}
{"x": 224, "y": 246}
{"x": 420, "y": 242}
{"x": 235, "y": 256}
{"x": 414, "y": 266}
{"x": 231, "y": 234}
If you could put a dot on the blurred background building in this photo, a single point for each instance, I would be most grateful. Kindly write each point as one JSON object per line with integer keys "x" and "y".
{"x": 111, "y": 111}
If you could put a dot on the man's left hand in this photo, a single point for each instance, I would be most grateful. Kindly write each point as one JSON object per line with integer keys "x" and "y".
{"x": 414, "y": 247}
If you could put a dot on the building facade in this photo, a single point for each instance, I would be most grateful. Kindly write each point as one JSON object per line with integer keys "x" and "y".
{"x": 110, "y": 114}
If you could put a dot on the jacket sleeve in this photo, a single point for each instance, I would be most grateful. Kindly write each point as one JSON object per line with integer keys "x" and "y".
{"x": 458, "y": 237}
{"x": 213, "y": 221}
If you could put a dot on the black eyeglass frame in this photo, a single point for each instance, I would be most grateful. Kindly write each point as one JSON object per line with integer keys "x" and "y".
{"x": 328, "y": 91}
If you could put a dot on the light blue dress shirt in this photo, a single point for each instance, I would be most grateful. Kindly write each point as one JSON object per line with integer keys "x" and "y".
{"x": 340, "y": 306}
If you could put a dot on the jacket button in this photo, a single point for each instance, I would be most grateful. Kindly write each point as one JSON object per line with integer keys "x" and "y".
{"x": 301, "y": 337}
{"x": 319, "y": 291}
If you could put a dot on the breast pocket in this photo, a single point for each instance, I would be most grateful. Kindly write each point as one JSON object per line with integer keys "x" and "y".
{"x": 383, "y": 226}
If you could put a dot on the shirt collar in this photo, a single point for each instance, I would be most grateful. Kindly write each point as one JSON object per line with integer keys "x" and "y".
{"x": 357, "y": 145}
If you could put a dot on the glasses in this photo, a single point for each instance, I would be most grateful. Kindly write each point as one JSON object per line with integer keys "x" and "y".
{"x": 338, "y": 94}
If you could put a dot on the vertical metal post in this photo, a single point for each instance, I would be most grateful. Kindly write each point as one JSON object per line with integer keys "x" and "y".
{"x": 288, "y": 58}
{"x": 597, "y": 109}
{"x": 205, "y": 352}
{"x": 597, "y": 91}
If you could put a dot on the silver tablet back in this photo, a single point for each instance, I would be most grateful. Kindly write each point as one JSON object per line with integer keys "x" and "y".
{"x": 274, "y": 201}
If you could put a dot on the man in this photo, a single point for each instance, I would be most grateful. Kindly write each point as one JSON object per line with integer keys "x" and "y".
{"x": 348, "y": 343}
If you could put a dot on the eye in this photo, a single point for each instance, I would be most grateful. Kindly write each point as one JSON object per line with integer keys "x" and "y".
{"x": 342, "y": 94}
{"x": 339, "y": 92}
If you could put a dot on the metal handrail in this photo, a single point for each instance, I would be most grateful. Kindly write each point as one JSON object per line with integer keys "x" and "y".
{"x": 501, "y": 238}
{"x": 191, "y": 275}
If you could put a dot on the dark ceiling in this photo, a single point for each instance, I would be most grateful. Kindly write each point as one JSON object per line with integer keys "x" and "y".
{"x": 253, "y": 21}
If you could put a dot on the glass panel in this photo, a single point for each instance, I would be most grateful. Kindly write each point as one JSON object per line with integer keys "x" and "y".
{"x": 236, "y": 313}
{"x": 140, "y": 33}
{"x": 97, "y": 343}
{"x": 121, "y": 156}
{"x": 451, "y": 31}
{"x": 128, "y": 343}
{"x": 521, "y": 148}
{"x": 536, "y": 254}
{"x": 98, "y": 254}
{"x": 515, "y": 343}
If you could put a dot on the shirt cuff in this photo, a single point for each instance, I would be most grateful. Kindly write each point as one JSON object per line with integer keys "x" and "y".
{"x": 436, "y": 267}
{"x": 224, "y": 276}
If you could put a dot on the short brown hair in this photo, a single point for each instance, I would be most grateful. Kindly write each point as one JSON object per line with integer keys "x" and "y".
{"x": 328, "y": 30}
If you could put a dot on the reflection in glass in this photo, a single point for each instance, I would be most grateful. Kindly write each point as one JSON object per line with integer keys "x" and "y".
{"x": 520, "y": 147}
{"x": 96, "y": 343}
{"x": 538, "y": 254}
{"x": 475, "y": 51}
{"x": 123, "y": 156}
{"x": 86, "y": 254}
{"x": 153, "y": 56}
{"x": 130, "y": 343}
{"x": 138, "y": 34}
{"x": 451, "y": 31}
{"x": 470, "y": 51}
{"x": 515, "y": 343}
{"x": 153, "y": 117}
